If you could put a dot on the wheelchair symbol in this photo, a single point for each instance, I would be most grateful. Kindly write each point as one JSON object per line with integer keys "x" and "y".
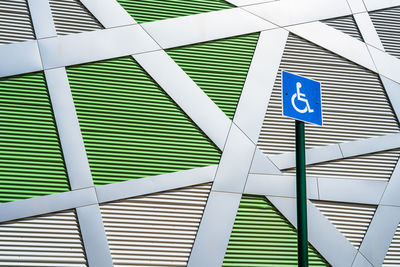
{"x": 300, "y": 97}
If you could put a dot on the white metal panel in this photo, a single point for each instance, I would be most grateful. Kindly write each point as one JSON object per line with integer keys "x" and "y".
{"x": 49, "y": 240}
{"x": 352, "y": 220}
{"x": 157, "y": 229}
{"x": 345, "y": 24}
{"x": 354, "y": 103}
{"x": 70, "y": 16}
{"x": 392, "y": 257}
{"x": 387, "y": 24}
{"x": 15, "y": 22}
{"x": 375, "y": 166}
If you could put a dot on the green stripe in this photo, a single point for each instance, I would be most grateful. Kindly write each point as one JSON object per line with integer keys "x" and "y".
{"x": 131, "y": 128}
{"x": 261, "y": 236}
{"x": 150, "y": 10}
{"x": 219, "y": 67}
{"x": 31, "y": 162}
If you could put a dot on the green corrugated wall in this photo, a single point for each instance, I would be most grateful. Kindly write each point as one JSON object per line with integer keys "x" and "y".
{"x": 261, "y": 236}
{"x": 131, "y": 128}
{"x": 31, "y": 162}
{"x": 150, "y": 10}
{"x": 219, "y": 67}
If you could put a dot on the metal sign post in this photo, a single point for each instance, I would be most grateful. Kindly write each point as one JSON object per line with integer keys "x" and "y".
{"x": 301, "y": 100}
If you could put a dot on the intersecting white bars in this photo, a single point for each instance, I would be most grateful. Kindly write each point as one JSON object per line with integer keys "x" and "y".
{"x": 317, "y": 224}
{"x": 380, "y": 233}
{"x": 204, "y": 27}
{"x": 159, "y": 183}
{"x": 95, "y": 45}
{"x": 108, "y": 12}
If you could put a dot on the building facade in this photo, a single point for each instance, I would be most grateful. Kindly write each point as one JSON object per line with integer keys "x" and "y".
{"x": 150, "y": 133}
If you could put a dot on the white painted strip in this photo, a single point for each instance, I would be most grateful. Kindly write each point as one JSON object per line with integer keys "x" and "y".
{"x": 235, "y": 162}
{"x": 357, "y": 6}
{"x": 361, "y": 261}
{"x": 42, "y": 19}
{"x": 367, "y": 30}
{"x": 386, "y": 64}
{"x": 335, "y": 41}
{"x": 278, "y": 185}
{"x": 215, "y": 230}
{"x": 96, "y": 45}
{"x": 380, "y": 233}
{"x": 94, "y": 236}
{"x": 393, "y": 92}
{"x": 46, "y": 204}
{"x": 190, "y": 98}
{"x": 69, "y": 132}
{"x": 248, "y": 2}
{"x": 391, "y": 196}
{"x": 351, "y": 190}
{"x": 19, "y": 58}
{"x": 153, "y": 184}
{"x": 330, "y": 244}
{"x": 109, "y": 13}
{"x": 378, "y": 4}
{"x": 259, "y": 83}
{"x": 289, "y": 12}
{"x": 204, "y": 27}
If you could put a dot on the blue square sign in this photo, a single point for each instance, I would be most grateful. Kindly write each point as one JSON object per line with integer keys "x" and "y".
{"x": 301, "y": 98}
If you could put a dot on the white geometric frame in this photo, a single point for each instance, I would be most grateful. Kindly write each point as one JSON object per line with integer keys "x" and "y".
{"x": 243, "y": 168}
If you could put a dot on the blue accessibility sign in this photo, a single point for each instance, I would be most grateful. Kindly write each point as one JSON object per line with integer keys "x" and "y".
{"x": 301, "y": 98}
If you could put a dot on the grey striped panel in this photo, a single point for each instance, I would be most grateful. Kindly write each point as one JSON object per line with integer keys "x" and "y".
{"x": 157, "y": 229}
{"x": 352, "y": 220}
{"x": 345, "y": 24}
{"x": 15, "y": 22}
{"x": 387, "y": 24}
{"x": 70, "y": 16}
{"x": 392, "y": 257}
{"x": 49, "y": 240}
{"x": 354, "y": 103}
{"x": 375, "y": 166}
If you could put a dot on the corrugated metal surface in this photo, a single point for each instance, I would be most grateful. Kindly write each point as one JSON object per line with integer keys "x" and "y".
{"x": 31, "y": 162}
{"x": 387, "y": 24}
{"x": 392, "y": 257}
{"x": 149, "y": 10}
{"x": 15, "y": 22}
{"x": 354, "y": 103}
{"x": 261, "y": 236}
{"x": 219, "y": 67}
{"x": 352, "y": 220}
{"x": 345, "y": 24}
{"x": 376, "y": 166}
{"x": 70, "y": 16}
{"x": 157, "y": 229}
{"x": 49, "y": 240}
{"x": 131, "y": 128}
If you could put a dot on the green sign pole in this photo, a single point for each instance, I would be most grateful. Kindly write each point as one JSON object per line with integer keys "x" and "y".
{"x": 302, "y": 243}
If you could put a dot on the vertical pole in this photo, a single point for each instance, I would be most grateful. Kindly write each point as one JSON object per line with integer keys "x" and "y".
{"x": 302, "y": 243}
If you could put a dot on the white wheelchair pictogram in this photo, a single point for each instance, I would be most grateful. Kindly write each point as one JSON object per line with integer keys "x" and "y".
{"x": 300, "y": 97}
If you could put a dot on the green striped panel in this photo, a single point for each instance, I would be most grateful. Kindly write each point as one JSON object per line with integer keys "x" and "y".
{"x": 219, "y": 67}
{"x": 130, "y": 127}
{"x": 31, "y": 162}
{"x": 261, "y": 236}
{"x": 150, "y": 10}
